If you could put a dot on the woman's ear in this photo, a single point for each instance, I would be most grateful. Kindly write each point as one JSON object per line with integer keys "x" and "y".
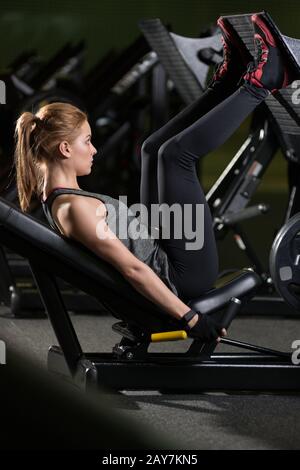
{"x": 65, "y": 149}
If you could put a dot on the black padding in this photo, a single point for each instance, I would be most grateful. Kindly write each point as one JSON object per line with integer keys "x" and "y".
{"x": 237, "y": 285}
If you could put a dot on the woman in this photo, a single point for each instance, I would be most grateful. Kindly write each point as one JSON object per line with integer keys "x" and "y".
{"x": 54, "y": 147}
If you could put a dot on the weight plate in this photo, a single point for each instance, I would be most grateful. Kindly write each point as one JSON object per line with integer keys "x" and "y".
{"x": 285, "y": 262}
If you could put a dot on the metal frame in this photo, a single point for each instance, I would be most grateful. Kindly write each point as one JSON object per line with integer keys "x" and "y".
{"x": 130, "y": 366}
{"x": 174, "y": 372}
{"x": 194, "y": 370}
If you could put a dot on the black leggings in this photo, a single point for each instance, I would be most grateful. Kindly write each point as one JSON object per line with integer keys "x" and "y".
{"x": 168, "y": 175}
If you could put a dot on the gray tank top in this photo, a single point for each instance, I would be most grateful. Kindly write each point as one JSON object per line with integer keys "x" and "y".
{"x": 122, "y": 222}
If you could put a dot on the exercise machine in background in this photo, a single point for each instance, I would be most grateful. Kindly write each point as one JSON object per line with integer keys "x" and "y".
{"x": 275, "y": 124}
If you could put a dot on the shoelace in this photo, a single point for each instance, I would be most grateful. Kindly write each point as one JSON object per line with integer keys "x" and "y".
{"x": 252, "y": 66}
{"x": 260, "y": 51}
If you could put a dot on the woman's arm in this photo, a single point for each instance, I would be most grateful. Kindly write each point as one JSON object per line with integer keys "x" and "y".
{"x": 146, "y": 281}
{"x": 85, "y": 222}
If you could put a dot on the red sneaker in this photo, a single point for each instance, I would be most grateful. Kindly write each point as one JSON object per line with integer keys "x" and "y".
{"x": 235, "y": 54}
{"x": 269, "y": 70}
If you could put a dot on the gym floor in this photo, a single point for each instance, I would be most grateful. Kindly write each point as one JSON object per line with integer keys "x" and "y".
{"x": 186, "y": 421}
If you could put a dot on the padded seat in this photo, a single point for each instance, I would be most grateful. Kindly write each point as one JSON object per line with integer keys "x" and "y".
{"x": 239, "y": 284}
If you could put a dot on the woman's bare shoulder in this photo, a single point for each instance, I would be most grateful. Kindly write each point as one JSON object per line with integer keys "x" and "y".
{"x": 65, "y": 203}
{"x": 75, "y": 200}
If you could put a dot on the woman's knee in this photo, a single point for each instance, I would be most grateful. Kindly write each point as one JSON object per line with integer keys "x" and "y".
{"x": 149, "y": 148}
{"x": 169, "y": 151}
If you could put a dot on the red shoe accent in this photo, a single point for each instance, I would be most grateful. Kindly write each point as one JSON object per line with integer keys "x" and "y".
{"x": 287, "y": 79}
{"x": 256, "y": 19}
{"x": 269, "y": 70}
{"x": 223, "y": 67}
{"x": 231, "y": 38}
{"x": 263, "y": 57}
{"x": 231, "y": 44}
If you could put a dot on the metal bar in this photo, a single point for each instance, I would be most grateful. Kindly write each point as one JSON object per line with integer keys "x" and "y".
{"x": 252, "y": 347}
{"x": 58, "y": 316}
{"x": 244, "y": 243}
{"x": 164, "y": 371}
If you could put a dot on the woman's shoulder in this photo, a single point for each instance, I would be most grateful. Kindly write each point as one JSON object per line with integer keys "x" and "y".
{"x": 77, "y": 203}
{"x": 77, "y": 200}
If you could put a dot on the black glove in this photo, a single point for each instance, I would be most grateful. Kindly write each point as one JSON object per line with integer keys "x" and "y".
{"x": 206, "y": 329}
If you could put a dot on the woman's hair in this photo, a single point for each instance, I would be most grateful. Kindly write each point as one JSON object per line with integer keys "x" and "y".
{"x": 37, "y": 141}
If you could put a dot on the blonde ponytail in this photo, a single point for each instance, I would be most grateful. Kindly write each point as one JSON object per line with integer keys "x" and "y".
{"x": 37, "y": 141}
{"x": 26, "y": 170}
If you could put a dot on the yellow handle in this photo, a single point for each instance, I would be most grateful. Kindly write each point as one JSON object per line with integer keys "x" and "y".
{"x": 168, "y": 336}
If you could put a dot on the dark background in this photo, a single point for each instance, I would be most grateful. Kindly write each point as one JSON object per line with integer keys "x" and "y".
{"x": 46, "y": 24}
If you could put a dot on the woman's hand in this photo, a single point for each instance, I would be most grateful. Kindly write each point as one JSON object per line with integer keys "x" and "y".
{"x": 204, "y": 327}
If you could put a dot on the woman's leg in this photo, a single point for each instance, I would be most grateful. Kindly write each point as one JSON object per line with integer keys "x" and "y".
{"x": 195, "y": 270}
{"x": 210, "y": 98}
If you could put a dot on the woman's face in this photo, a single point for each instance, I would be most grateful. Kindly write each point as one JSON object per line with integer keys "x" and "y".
{"x": 82, "y": 151}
